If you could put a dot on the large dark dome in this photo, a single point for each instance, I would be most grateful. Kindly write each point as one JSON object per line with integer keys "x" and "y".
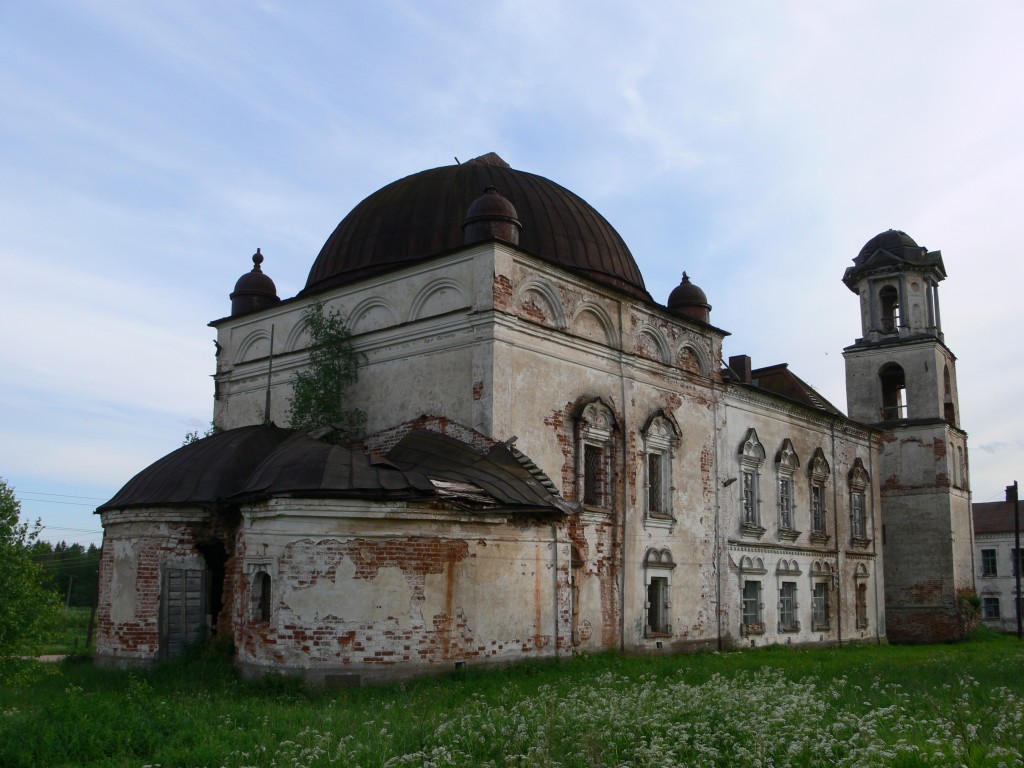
{"x": 421, "y": 216}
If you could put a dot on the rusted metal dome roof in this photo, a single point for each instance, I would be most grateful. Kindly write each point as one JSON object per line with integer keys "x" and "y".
{"x": 689, "y": 300}
{"x": 894, "y": 241}
{"x": 254, "y": 290}
{"x": 421, "y": 216}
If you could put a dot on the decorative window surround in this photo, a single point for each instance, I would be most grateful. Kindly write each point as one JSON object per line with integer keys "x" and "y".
{"x": 859, "y": 481}
{"x": 752, "y": 619}
{"x": 751, "y": 458}
{"x": 819, "y": 472}
{"x": 786, "y": 465}
{"x": 860, "y": 581}
{"x": 660, "y": 437}
{"x": 658, "y": 567}
{"x": 823, "y": 581}
{"x": 787, "y": 573}
{"x": 594, "y": 461}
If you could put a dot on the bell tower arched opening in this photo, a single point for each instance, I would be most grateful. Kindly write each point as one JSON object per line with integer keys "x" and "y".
{"x": 889, "y": 308}
{"x": 894, "y": 392}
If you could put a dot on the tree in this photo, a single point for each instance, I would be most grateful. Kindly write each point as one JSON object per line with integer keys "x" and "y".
{"x": 320, "y": 395}
{"x": 27, "y": 605}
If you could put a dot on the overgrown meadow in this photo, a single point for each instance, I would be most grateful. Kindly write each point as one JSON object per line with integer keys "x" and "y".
{"x": 957, "y": 704}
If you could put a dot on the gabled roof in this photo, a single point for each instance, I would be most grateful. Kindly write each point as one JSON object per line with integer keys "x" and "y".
{"x": 993, "y": 517}
{"x": 779, "y": 380}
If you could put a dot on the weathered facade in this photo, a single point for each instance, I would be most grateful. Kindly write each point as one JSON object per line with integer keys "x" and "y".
{"x": 656, "y": 499}
{"x": 996, "y": 561}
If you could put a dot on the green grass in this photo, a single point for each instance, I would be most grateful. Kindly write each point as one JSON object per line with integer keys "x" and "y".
{"x": 70, "y": 633}
{"x": 959, "y": 704}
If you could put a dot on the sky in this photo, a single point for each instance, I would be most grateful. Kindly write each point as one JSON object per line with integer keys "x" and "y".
{"x": 148, "y": 149}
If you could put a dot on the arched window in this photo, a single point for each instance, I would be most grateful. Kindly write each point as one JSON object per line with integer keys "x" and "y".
{"x": 658, "y": 566}
{"x": 751, "y": 458}
{"x": 889, "y": 299}
{"x": 594, "y": 449}
{"x": 859, "y": 513}
{"x": 659, "y": 438}
{"x": 819, "y": 472}
{"x": 786, "y": 465}
{"x": 894, "y": 390}
{"x": 949, "y": 411}
{"x": 261, "y": 591}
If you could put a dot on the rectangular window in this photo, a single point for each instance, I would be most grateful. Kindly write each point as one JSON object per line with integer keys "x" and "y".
{"x": 751, "y": 602}
{"x": 818, "y": 507}
{"x": 655, "y": 486}
{"x": 786, "y": 503}
{"x": 657, "y": 606}
{"x": 857, "y": 519}
{"x": 593, "y": 458}
{"x": 862, "y": 606}
{"x": 988, "y": 563}
{"x": 990, "y": 607}
{"x": 787, "y": 607}
{"x": 819, "y": 606}
{"x": 750, "y": 497}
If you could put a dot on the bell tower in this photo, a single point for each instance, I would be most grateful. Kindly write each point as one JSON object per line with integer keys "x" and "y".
{"x": 901, "y": 378}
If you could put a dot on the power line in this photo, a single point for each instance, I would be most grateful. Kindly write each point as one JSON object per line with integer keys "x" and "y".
{"x": 62, "y": 495}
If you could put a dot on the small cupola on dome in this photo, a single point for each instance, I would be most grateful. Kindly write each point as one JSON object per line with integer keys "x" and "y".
{"x": 254, "y": 290}
{"x": 491, "y": 217}
{"x": 690, "y": 301}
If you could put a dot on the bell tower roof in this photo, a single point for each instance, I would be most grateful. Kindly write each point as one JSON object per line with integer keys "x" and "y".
{"x": 893, "y": 251}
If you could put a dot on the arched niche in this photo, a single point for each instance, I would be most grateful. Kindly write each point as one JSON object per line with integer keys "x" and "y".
{"x": 439, "y": 297}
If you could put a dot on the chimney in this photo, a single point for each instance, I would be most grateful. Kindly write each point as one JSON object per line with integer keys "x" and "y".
{"x": 740, "y": 365}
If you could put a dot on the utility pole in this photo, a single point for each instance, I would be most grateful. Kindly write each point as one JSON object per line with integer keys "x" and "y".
{"x": 1012, "y": 495}
{"x": 67, "y": 601}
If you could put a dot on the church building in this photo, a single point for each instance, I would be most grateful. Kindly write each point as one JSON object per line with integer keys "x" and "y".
{"x": 554, "y": 461}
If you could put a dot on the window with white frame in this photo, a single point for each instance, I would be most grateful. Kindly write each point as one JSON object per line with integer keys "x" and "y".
{"x": 819, "y": 472}
{"x": 751, "y": 459}
{"x": 593, "y": 480}
{"x": 786, "y": 465}
{"x": 659, "y": 438}
{"x": 658, "y": 567}
{"x": 859, "y": 481}
{"x": 988, "y": 563}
